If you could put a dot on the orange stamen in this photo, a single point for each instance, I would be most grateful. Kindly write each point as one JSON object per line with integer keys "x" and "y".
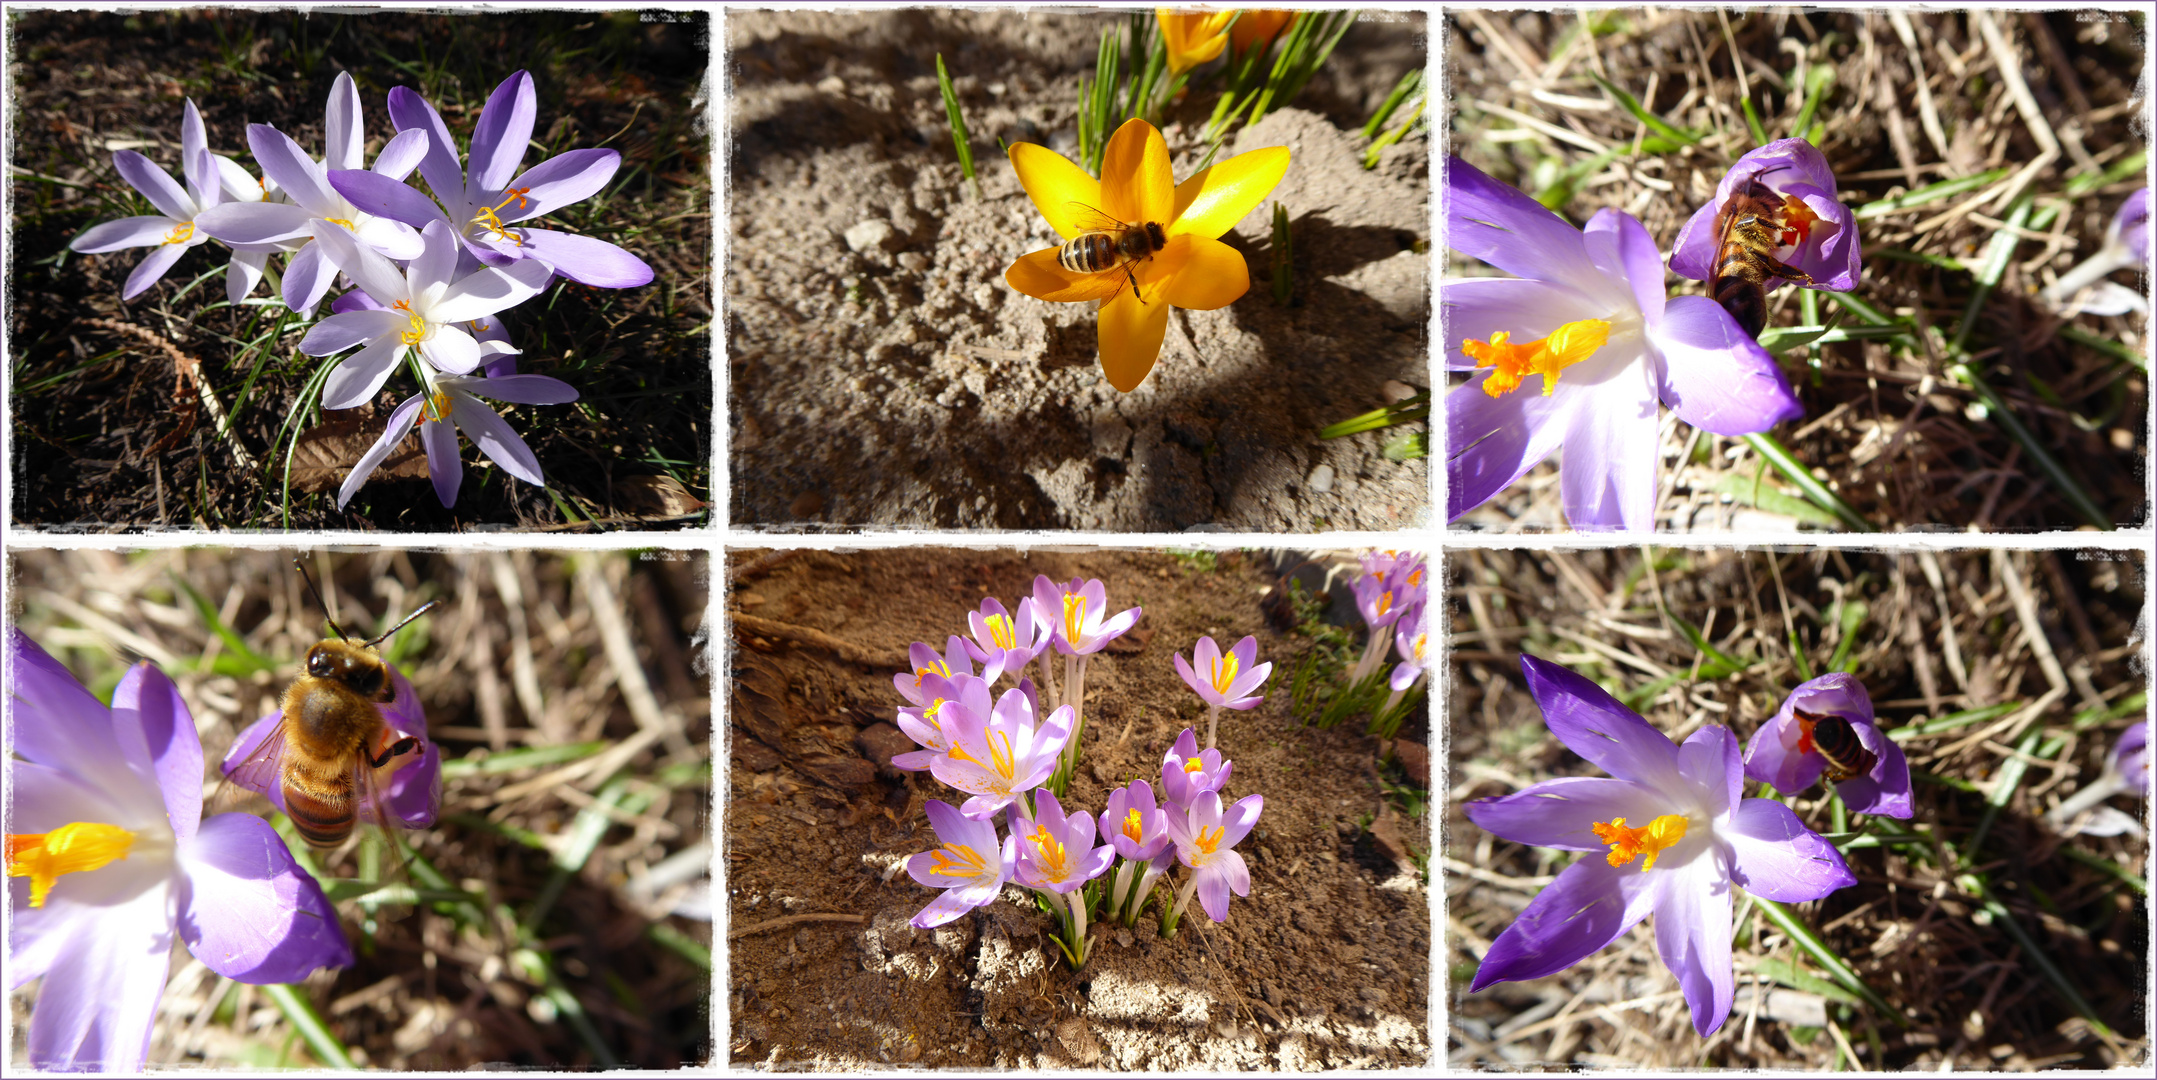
{"x": 1566, "y": 346}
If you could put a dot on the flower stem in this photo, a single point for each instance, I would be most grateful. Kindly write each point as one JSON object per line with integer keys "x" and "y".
{"x": 1213, "y": 718}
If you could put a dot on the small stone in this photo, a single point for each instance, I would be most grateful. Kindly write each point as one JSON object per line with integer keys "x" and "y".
{"x": 1396, "y": 390}
{"x": 914, "y": 261}
{"x": 831, "y": 85}
{"x": 873, "y": 233}
{"x": 808, "y": 504}
{"x": 1321, "y": 479}
{"x": 749, "y": 599}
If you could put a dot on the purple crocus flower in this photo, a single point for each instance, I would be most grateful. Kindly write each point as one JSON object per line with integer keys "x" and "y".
{"x": 1784, "y": 753}
{"x": 1004, "y": 643}
{"x": 1408, "y": 639}
{"x": 1678, "y": 810}
{"x": 925, "y": 723}
{"x": 1134, "y": 824}
{"x": 410, "y": 798}
{"x": 1204, "y": 839}
{"x": 1819, "y": 232}
{"x": 2131, "y": 757}
{"x": 420, "y": 308}
{"x": 447, "y": 404}
{"x": 1077, "y": 612}
{"x": 1590, "y": 305}
{"x": 1378, "y": 601}
{"x": 998, "y": 757}
{"x": 2126, "y": 246}
{"x": 480, "y": 207}
{"x": 172, "y": 230}
{"x": 1056, "y": 852}
{"x": 971, "y": 867}
{"x": 1231, "y": 680}
{"x": 2126, "y": 772}
{"x": 112, "y": 856}
{"x": 1186, "y": 773}
{"x": 309, "y": 198}
{"x": 926, "y": 663}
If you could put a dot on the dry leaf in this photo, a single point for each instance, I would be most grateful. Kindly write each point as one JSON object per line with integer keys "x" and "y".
{"x": 655, "y": 496}
{"x": 326, "y": 453}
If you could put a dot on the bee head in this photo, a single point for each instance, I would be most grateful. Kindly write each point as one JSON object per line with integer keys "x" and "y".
{"x": 352, "y": 664}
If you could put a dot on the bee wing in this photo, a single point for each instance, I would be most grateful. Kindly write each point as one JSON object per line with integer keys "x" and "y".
{"x": 382, "y": 851}
{"x": 1091, "y": 219}
{"x": 259, "y": 770}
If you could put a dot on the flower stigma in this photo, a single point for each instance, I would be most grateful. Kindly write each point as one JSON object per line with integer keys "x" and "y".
{"x": 1074, "y": 616}
{"x": 70, "y": 849}
{"x": 1626, "y": 844}
{"x": 1049, "y": 852}
{"x": 181, "y": 233}
{"x": 1000, "y": 632}
{"x": 957, "y": 861}
{"x": 416, "y": 331}
{"x": 1224, "y": 673}
{"x": 1566, "y": 346}
{"x": 1134, "y": 826}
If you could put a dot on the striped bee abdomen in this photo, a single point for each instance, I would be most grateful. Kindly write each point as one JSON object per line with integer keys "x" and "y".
{"x": 1836, "y": 740}
{"x": 1088, "y": 253}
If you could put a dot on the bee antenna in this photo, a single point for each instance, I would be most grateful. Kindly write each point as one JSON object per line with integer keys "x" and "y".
{"x": 423, "y": 609}
{"x": 299, "y": 563}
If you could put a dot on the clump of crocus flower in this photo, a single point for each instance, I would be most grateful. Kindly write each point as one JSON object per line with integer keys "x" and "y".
{"x": 1009, "y": 757}
{"x": 2126, "y": 247}
{"x": 112, "y": 857}
{"x": 1667, "y": 832}
{"x": 1193, "y": 269}
{"x": 1578, "y": 352}
{"x": 2126, "y": 772}
{"x": 1791, "y": 751}
{"x": 433, "y": 275}
{"x": 1819, "y": 233}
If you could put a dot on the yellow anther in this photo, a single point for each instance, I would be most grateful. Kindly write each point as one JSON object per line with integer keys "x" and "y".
{"x": 1626, "y": 843}
{"x": 181, "y": 233}
{"x": 957, "y": 861}
{"x": 415, "y": 329}
{"x": 69, "y": 849}
{"x": 1049, "y": 853}
{"x": 1192, "y": 765}
{"x": 1000, "y": 632}
{"x": 349, "y": 227}
{"x": 1134, "y": 826}
{"x": 1566, "y": 346}
{"x": 1074, "y": 616}
{"x": 1208, "y": 839}
{"x": 1224, "y": 673}
{"x": 437, "y": 406}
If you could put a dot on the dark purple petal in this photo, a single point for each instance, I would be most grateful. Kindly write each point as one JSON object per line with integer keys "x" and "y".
{"x": 444, "y": 465}
{"x": 1693, "y": 256}
{"x": 415, "y": 791}
{"x": 1714, "y": 376}
{"x": 1607, "y": 477}
{"x": 1772, "y": 756}
{"x": 1491, "y": 442}
{"x": 248, "y": 911}
{"x": 1499, "y": 225}
{"x": 1832, "y": 255}
{"x": 1563, "y": 813}
{"x": 1692, "y": 933}
{"x": 1596, "y": 726}
{"x": 1775, "y": 856}
{"x": 1586, "y": 908}
{"x": 585, "y": 260}
{"x": 379, "y": 195}
{"x": 154, "y": 727}
{"x": 244, "y": 748}
{"x": 1709, "y": 763}
{"x": 1885, "y": 789}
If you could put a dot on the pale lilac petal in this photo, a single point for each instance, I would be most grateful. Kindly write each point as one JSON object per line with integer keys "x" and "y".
{"x": 1563, "y": 813}
{"x": 1239, "y": 819}
{"x": 489, "y": 290}
{"x": 1709, "y": 763}
{"x": 56, "y": 723}
{"x": 384, "y": 196}
{"x": 123, "y": 233}
{"x": 255, "y": 222}
{"x": 1692, "y": 934}
{"x": 399, "y": 156}
{"x": 1596, "y": 726}
{"x": 429, "y": 275}
{"x": 562, "y": 180}
{"x": 243, "y": 273}
{"x": 1776, "y": 857}
{"x": 1622, "y": 250}
{"x": 156, "y": 733}
{"x": 444, "y": 176}
{"x": 155, "y": 184}
{"x": 498, "y": 140}
{"x": 1491, "y": 442}
{"x": 248, "y": 911}
{"x": 303, "y": 179}
{"x": 344, "y": 136}
{"x": 1225, "y": 874}
{"x": 496, "y": 439}
{"x": 356, "y": 378}
{"x": 365, "y": 266}
{"x": 152, "y": 267}
{"x": 585, "y": 260}
{"x": 337, "y": 333}
{"x": 100, "y": 994}
{"x": 1714, "y": 376}
{"x": 308, "y": 276}
{"x": 236, "y": 183}
{"x": 392, "y": 238}
{"x": 400, "y": 422}
{"x": 1498, "y": 224}
{"x": 451, "y": 350}
{"x": 1607, "y": 477}
{"x": 522, "y": 389}
{"x": 194, "y": 147}
{"x": 1589, "y": 905}
{"x": 444, "y": 466}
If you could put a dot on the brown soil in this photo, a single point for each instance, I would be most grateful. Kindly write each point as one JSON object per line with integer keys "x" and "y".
{"x": 1324, "y": 966}
{"x": 907, "y": 384}
{"x": 1929, "y": 636}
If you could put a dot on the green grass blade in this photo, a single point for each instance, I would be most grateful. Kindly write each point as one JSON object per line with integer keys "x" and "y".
{"x": 1929, "y": 193}
{"x": 1640, "y": 112}
{"x": 1777, "y": 455}
{"x": 1976, "y": 886}
{"x": 1409, "y": 84}
{"x": 1827, "y": 958}
{"x": 1819, "y": 80}
{"x": 1752, "y": 123}
{"x": 301, "y": 1014}
{"x": 959, "y": 139}
{"x": 1284, "y": 258}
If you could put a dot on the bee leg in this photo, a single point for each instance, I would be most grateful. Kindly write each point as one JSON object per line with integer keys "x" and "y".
{"x": 1134, "y": 284}
{"x": 406, "y": 745}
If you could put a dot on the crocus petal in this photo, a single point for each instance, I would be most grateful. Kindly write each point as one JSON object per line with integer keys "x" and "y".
{"x": 397, "y": 158}
{"x": 248, "y": 911}
{"x": 386, "y": 196}
{"x": 1498, "y": 224}
{"x": 1039, "y": 275}
{"x": 400, "y": 422}
{"x": 1622, "y": 250}
{"x": 100, "y": 994}
{"x": 1714, "y": 376}
{"x": 130, "y": 232}
{"x": 521, "y": 389}
{"x": 1227, "y": 873}
{"x": 505, "y": 126}
{"x": 569, "y": 177}
{"x": 1130, "y": 336}
{"x": 393, "y": 238}
{"x": 586, "y": 260}
{"x": 1493, "y": 441}
{"x": 445, "y": 177}
{"x": 356, "y": 378}
{"x": 1692, "y": 933}
{"x": 337, "y": 333}
{"x": 1709, "y": 763}
{"x": 155, "y": 184}
{"x": 56, "y": 723}
{"x": 1611, "y": 456}
{"x": 1476, "y": 308}
{"x": 157, "y": 734}
{"x": 1201, "y": 274}
{"x": 1212, "y": 202}
{"x": 243, "y": 273}
{"x": 370, "y": 270}
{"x": 1772, "y": 756}
{"x": 1886, "y": 789}
{"x": 1061, "y": 191}
{"x": 1589, "y": 904}
{"x": 343, "y": 135}
{"x": 1693, "y": 256}
{"x": 255, "y": 222}
{"x": 1776, "y": 857}
{"x": 308, "y": 276}
{"x": 487, "y": 291}
{"x": 1562, "y": 813}
{"x": 451, "y": 350}
{"x": 496, "y": 439}
{"x": 1596, "y": 726}
{"x": 303, "y": 178}
{"x": 151, "y": 268}
{"x": 1136, "y": 185}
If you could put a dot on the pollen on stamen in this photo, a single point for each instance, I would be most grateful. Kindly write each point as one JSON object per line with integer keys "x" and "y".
{"x": 1566, "y": 346}
{"x": 181, "y": 233}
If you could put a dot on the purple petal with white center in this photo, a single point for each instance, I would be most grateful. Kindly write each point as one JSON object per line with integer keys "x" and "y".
{"x": 498, "y": 140}
{"x": 1833, "y": 255}
{"x": 444, "y": 176}
{"x": 157, "y": 733}
{"x": 398, "y": 157}
{"x": 248, "y": 911}
{"x": 451, "y": 350}
{"x": 1776, "y": 857}
{"x": 368, "y": 269}
{"x": 1607, "y": 478}
{"x": 1692, "y": 934}
{"x": 444, "y": 466}
{"x": 100, "y": 994}
{"x": 564, "y": 179}
{"x": 1714, "y": 376}
{"x": 356, "y": 378}
{"x": 1498, "y": 224}
{"x": 1772, "y": 756}
{"x": 151, "y": 268}
{"x": 384, "y": 196}
{"x": 155, "y": 184}
{"x": 1622, "y": 250}
{"x": 255, "y": 222}
{"x": 303, "y": 179}
{"x": 521, "y": 389}
{"x": 125, "y": 232}
{"x": 1596, "y": 726}
{"x": 1563, "y": 813}
{"x": 400, "y": 422}
{"x": 1493, "y": 441}
{"x": 337, "y": 333}
{"x": 1589, "y": 905}
{"x": 1709, "y": 763}
{"x": 586, "y": 260}
{"x": 489, "y": 290}
{"x": 496, "y": 439}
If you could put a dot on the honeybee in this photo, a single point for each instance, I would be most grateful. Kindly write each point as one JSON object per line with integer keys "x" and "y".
{"x": 330, "y": 756}
{"x": 1836, "y": 740}
{"x": 1748, "y": 231}
{"x": 1108, "y": 244}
